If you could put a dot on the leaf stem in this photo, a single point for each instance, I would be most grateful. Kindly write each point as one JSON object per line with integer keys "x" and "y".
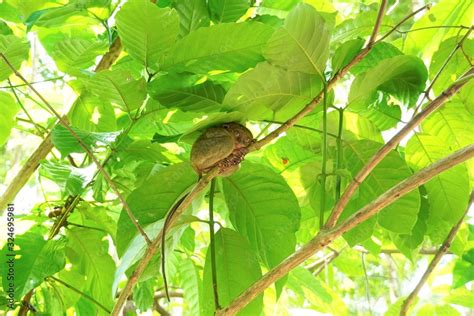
{"x": 324, "y": 146}
{"x": 339, "y": 154}
{"x": 213, "y": 244}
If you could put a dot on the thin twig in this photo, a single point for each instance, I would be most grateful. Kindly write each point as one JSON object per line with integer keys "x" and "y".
{"x": 212, "y": 246}
{"x": 64, "y": 123}
{"x": 86, "y": 296}
{"x": 323, "y": 238}
{"x": 25, "y": 304}
{"x": 391, "y": 144}
{"x": 441, "y": 252}
{"x": 426, "y": 7}
{"x": 375, "y": 31}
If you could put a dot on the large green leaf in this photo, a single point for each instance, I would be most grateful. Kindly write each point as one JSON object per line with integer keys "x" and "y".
{"x": 15, "y": 50}
{"x": 187, "y": 93}
{"x": 71, "y": 54}
{"x": 90, "y": 113}
{"x": 234, "y": 275}
{"x": 229, "y": 46}
{"x": 193, "y": 14}
{"x": 88, "y": 251}
{"x": 151, "y": 201}
{"x": 37, "y": 259}
{"x": 66, "y": 143}
{"x": 263, "y": 208}
{"x": 267, "y": 88}
{"x": 400, "y": 216}
{"x": 448, "y": 192}
{"x": 447, "y": 13}
{"x": 72, "y": 180}
{"x": 147, "y": 31}
{"x": 302, "y": 44}
{"x": 227, "y": 10}
{"x": 120, "y": 88}
{"x": 379, "y": 52}
{"x": 8, "y": 111}
{"x": 401, "y": 76}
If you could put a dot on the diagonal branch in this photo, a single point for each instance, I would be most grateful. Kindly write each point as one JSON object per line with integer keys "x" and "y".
{"x": 391, "y": 144}
{"x": 63, "y": 121}
{"x": 324, "y": 237}
{"x": 441, "y": 252}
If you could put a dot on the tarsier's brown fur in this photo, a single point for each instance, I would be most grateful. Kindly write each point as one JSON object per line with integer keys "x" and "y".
{"x": 224, "y": 146}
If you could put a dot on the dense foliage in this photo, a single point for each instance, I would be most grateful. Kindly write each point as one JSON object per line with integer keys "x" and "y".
{"x": 187, "y": 65}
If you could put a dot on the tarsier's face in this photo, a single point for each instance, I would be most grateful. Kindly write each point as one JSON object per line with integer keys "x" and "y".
{"x": 243, "y": 137}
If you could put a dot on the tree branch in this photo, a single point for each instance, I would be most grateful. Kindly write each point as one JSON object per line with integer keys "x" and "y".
{"x": 63, "y": 121}
{"x": 391, "y": 144}
{"x": 375, "y": 31}
{"x": 441, "y": 252}
{"x": 324, "y": 237}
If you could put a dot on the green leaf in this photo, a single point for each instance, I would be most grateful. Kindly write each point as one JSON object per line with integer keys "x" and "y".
{"x": 400, "y": 216}
{"x": 90, "y": 113}
{"x": 4, "y": 29}
{"x": 401, "y": 76}
{"x": 36, "y": 259}
{"x": 187, "y": 93}
{"x": 72, "y": 180}
{"x": 263, "y": 208}
{"x": 151, "y": 201}
{"x": 193, "y": 14}
{"x": 430, "y": 310}
{"x": 120, "y": 88}
{"x": 379, "y": 52}
{"x": 448, "y": 192}
{"x": 384, "y": 115}
{"x": 227, "y": 10}
{"x": 446, "y": 13}
{"x": 302, "y": 44}
{"x": 462, "y": 297}
{"x": 72, "y": 54}
{"x": 231, "y": 47}
{"x": 233, "y": 276}
{"x": 147, "y": 31}
{"x": 15, "y": 50}
{"x": 8, "y": 111}
{"x": 457, "y": 65}
{"x": 269, "y": 88}
{"x": 345, "y": 53}
{"x": 361, "y": 26}
{"x": 89, "y": 252}
{"x": 191, "y": 284}
{"x": 66, "y": 143}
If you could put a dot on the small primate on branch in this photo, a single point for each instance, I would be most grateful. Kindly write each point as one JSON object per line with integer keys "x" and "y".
{"x": 223, "y": 146}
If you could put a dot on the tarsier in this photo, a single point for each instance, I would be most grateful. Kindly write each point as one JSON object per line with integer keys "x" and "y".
{"x": 223, "y": 146}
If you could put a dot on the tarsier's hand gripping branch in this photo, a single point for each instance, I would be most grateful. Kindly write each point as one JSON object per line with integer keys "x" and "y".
{"x": 223, "y": 146}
